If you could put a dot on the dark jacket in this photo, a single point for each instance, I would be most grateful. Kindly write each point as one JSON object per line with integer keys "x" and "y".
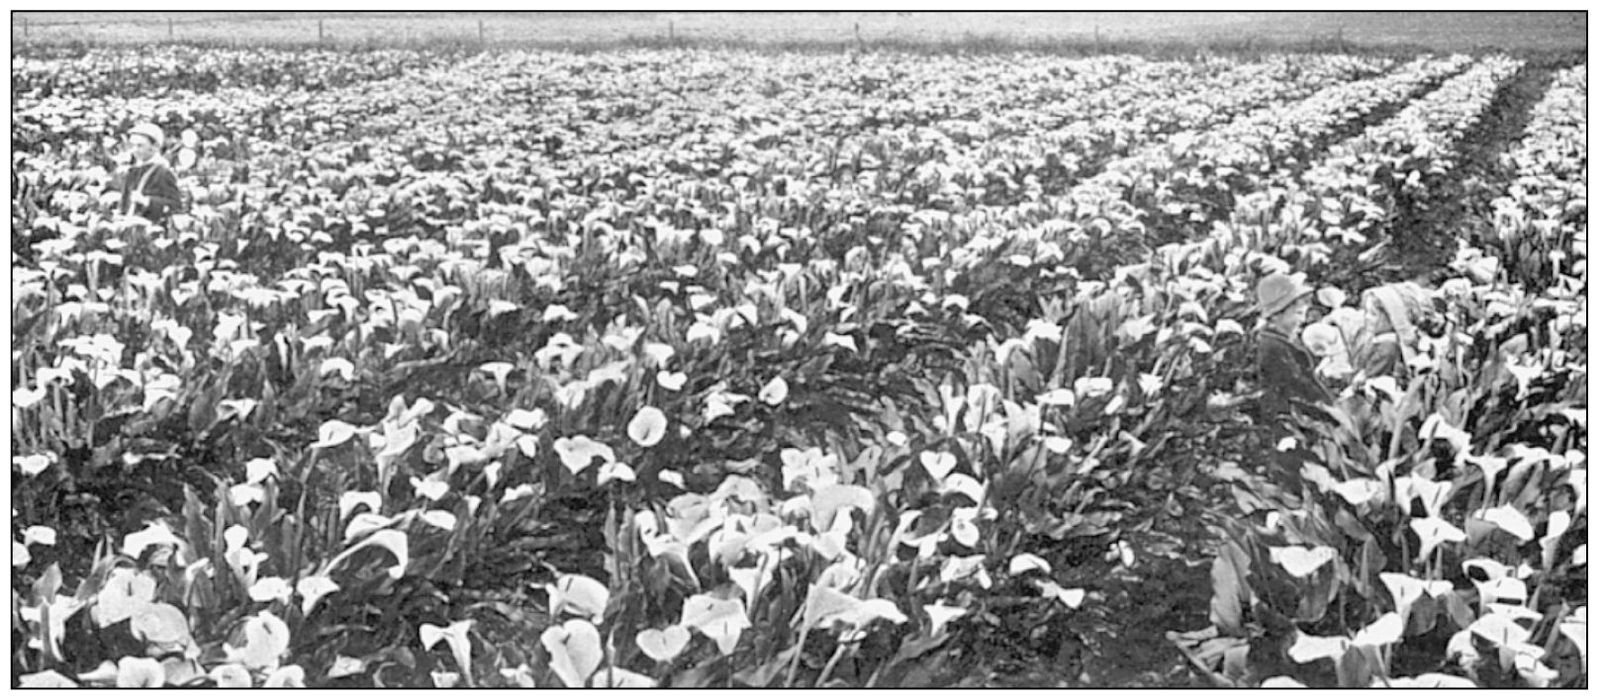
{"x": 1285, "y": 369}
{"x": 156, "y": 180}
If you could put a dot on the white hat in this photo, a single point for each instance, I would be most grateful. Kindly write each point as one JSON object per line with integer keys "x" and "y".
{"x": 149, "y": 130}
{"x": 1277, "y": 292}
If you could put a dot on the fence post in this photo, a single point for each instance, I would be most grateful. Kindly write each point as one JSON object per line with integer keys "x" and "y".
{"x": 670, "y": 30}
{"x": 319, "y": 31}
{"x": 24, "y": 27}
{"x": 169, "y": 27}
{"x": 481, "y": 30}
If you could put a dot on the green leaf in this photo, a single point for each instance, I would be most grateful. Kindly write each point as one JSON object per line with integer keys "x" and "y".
{"x": 1354, "y": 668}
{"x": 1230, "y": 591}
{"x": 762, "y": 674}
{"x": 698, "y": 676}
{"x": 48, "y": 584}
{"x": 1573, "y": 628}
{"x": 1457, "y": 607}
{"x": 619, "y": 678}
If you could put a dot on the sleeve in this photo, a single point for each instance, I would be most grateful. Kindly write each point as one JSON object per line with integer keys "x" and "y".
{"x": 163, "y": 192}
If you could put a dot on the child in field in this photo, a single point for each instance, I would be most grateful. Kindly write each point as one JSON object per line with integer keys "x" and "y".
{"x": 1394, "y": 312}
{"x": 1285, "y": 366}
{"x": 149, "y": 187}
{"x": 1376, "y": 339}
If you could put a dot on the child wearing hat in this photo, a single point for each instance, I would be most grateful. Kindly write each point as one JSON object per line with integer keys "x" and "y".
{"x": 1285, "y": 366}
{"x": 149, "y": 188}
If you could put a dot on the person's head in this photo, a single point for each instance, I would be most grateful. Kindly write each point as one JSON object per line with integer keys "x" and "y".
{"x": 1283, "y": 301}
{"x": 145, "y": 139}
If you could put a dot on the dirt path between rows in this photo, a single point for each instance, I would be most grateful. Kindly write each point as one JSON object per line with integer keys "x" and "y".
{"x": 1426, "y": 233}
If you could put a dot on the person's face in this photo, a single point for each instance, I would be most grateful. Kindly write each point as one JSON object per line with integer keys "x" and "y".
{"x": 143, "y": 148}
{"x": 1295, "y": 315}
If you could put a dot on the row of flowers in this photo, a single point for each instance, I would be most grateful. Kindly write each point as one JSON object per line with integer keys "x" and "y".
{"x": 1542, "y": 219}
{"x": 1307, "y": 214}
{"x": 181, "y": 72}
{"x": 240, "y": 126}
{"x": 1195, "y": 176}
{"x": 1354, "y": 192}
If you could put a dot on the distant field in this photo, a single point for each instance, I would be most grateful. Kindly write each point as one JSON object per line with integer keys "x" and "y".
{"x": 1447, "y": 31}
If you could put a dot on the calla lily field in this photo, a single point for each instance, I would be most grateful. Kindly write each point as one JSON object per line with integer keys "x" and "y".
{"x": 717, "y": 367}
